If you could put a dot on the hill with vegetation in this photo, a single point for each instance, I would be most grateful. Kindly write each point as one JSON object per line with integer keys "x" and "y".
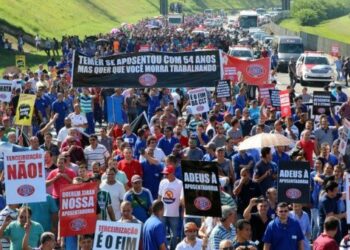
{"x": 55, "y": 18}
{"x": 336, "y": 29}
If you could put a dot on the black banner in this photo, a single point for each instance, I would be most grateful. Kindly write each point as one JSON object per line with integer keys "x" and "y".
{"x": 148, "y": 69}
{"x": 321, "y": 102}
{"x": 223, "y": 90}
{"x": 293, "y": 182}
{"x": 275, "y": 98}
{"x": 201, "y": 188}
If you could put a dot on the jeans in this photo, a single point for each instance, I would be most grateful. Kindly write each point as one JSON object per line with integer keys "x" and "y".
{"x": 314, "y": 223}
{"x": 171, "y": 223}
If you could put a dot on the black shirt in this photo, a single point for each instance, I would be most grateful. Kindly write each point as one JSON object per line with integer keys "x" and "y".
{"x": 248, "y": 191}
{"x": 258, "y": 229}
{"x": 246, "y": 126}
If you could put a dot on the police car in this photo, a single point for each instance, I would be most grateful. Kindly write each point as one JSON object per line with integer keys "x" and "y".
{"x": 314, "y": 67}
{"x": 242, "y": 52}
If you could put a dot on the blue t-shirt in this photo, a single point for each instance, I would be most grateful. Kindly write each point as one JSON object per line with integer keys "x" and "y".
{"x": 42, "y": 211}
{"x": 260, "y": 169}
{"x": 140, "y": 202}
{"x": 283, "y": 236}
{"x": 327, "y": 205}
{"x": 61, "y": 108}
{"x": 154, "y": 234}
{"x": 152, "y": 175}
{"x": 41, "y": 104}
{"x": 167, "y": 145}
{"x": 238, "y": 159}
{"x": 153, "y": 103}
{"x": 131, "y": 139}
{"x": 276, "y": 158}
{"x": 139, "y": 146}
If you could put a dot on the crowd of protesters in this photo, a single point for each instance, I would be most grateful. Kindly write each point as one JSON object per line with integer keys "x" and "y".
{"x": 139, "y": 172}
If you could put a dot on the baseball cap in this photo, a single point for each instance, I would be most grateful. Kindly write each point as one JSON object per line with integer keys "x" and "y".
{"x": 191, "y": 226}
{"x": 168, "y": 170}
{"x": 136, "y": 178}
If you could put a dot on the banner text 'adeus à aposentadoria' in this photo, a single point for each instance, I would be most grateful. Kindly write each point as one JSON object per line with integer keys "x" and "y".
{"x": 148, "y": 69}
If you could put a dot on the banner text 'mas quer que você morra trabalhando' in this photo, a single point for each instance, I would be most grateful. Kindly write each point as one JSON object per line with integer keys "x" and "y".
{"x": 148, "y": 69}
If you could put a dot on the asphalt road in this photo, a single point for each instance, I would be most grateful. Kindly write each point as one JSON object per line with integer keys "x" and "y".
{"x": 283, "y": 82}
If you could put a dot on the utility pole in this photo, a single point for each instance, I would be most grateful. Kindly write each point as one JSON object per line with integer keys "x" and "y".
{"x": 285, "y": 4}
{"x": 163, "y": 7}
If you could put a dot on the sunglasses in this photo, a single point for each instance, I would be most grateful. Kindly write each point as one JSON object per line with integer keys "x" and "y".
{"x": 227, "y": 248}
{"x": 283, "y": 211}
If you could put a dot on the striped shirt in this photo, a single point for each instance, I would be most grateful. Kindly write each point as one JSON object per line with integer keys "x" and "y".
{"x": 104, "y": 201}
{"x": 220, "y": 233}
{"x": 99, "y": 154}
{"x": 85, "y": 103}
{"x": 3, "y": 214}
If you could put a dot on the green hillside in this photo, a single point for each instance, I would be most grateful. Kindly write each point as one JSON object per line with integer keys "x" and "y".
{"x": 337, "y": 29}
{"x": 56, "y": 17}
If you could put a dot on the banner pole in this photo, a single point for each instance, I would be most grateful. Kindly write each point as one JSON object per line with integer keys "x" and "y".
{"x": 27, "y": 213}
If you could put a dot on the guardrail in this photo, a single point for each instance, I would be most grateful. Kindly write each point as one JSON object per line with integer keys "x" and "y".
{"x": 311, "y": 41}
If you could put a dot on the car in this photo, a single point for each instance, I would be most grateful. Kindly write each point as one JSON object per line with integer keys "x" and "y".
{"x": 242, "y": 52}
{"x": 313, "y": 66}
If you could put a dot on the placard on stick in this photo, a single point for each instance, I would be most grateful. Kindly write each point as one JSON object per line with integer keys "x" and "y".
{"x": 275, "y": 98}
{"x": 293, "y": 182}
{"x": 223, "y": 90}
{"x": 321, "y": 103}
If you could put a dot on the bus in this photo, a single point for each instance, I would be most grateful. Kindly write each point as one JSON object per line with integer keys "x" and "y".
{"x": 175, "y": 19}
{"x": 248, "y": 19}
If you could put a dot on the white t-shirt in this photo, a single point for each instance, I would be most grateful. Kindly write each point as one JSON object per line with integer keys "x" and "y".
{"x": 171, "y": 193}
{"x": 77, "y": 120}
{"x": 62, "y": 134}
{"x": 176, "y": 99}
{"x": 158, "y": 154}
{"x": 186, "y": 246}
{"x": 117, "y": 192}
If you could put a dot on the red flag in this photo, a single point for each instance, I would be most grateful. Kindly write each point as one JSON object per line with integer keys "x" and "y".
{"x": 78, "y": 209}
{"x": 285, "y": 103}
{"x": 252, "y": 72}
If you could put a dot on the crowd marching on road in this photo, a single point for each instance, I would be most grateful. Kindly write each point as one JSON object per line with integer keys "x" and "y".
{"x": 139, "y": 171}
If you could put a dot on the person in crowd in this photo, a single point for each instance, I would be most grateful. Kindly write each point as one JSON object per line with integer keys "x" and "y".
{"x": 171, "y": 193}
{"x": 47, "y": 240}
{"x": 242, "y": 160}
{"x": 326, "y": 240}
{"x": 191, "y": 241}
{"x": 129, "y": 165}
{"x": 154, "y": 231}
{"x": 303, "y": 218}
{"x": 127, "y": 213}
{"x": 242, "y": 240}
{"x": 15, "y": 230}
{"x": 244, "y": 190}
{"x": 115, "y": 189}
{"x": 259, "y": 219}
{"x": 167, "y": 142}
{"x": 95, "y": 152}
{"x": 281, "y": 229}
{"x": 140, "y": 198}
{"x": 225, "y": 229}
{"x": 265, "y": 170}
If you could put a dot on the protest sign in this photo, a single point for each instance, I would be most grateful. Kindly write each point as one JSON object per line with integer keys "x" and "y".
{"x": 199, "y": 102}
{"x": 321, "y": 102}
{"x": 5, "y": 90}
{"x": 25, "y": 108}
{"x": 275, "y": 98}
{"x": 201, "y": 188}
{"x": 78, "y": 209}
{"x": 347, "y": 200}
{"x": 253, "y": 72}
{"x": 223, "y": 91}
{"x": 24, "y": 177}
{"x": 148, "y": 69}
{"x": 117, "y": 235}
{"x": 20, "y": 61}
{"x": 285, "y": 103}
{"x": 293, "y": 182}
{"x": 264, "y": 93}
{"x": 344, "y": 137}
{"x": 335, "y": 50}
{"x": 144, "y": 48}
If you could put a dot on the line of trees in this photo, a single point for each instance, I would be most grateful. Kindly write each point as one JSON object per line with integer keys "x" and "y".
{"x": 312, "y": 12}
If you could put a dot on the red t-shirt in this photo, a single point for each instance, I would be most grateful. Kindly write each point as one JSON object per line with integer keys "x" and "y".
{"x": 130, "y": 169}
{"x": 308, "y": 147}
{"x": 60, "y": 181}
{"x": 325, "y": 242}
